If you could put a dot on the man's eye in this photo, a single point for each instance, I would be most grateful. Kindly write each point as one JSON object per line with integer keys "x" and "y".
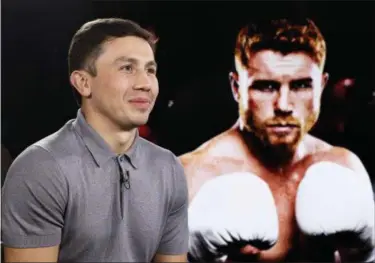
{"x": 301, "y": 86}
{"x": 127, "y": 68}
{"x": 151, "y": 71}
{"x": 265, "y": 86}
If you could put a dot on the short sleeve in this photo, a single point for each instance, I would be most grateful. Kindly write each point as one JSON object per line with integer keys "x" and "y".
{"x": 33, "y": 201}
{"x": 176, "y": 235}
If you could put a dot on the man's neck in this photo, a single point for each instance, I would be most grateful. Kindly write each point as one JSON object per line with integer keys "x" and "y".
{"x": 118, "y": 140}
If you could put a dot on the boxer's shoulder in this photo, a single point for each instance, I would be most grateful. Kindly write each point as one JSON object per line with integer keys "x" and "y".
{"x": 197, "y": 170}
{"x": 220, "y": 154}
{"x": 314, "y": 145}
{"x": 217, "y": 156}
{"x": 320, "y": 151}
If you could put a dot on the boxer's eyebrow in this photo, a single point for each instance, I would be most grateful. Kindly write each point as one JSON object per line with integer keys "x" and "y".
{"x": 304, "y": 81}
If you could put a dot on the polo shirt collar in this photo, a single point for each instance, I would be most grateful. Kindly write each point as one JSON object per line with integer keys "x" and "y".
{"x": 98, "y": 148}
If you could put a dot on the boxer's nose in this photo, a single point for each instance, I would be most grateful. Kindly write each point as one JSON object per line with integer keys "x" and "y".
{"x": 283, "y": 103}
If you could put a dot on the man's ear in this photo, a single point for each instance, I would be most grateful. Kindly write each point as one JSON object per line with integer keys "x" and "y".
{"x": 325, "y": 78}
{"x": 233, "y": 80}
{"x": 80, "y": 80}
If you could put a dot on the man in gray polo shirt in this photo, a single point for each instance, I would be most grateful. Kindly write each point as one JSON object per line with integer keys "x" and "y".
{"x": 94, "y": 190}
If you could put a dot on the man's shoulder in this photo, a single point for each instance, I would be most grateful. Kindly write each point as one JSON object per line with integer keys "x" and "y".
{"x": 315, "y": 145}
{"x": 35, "y": 164}
{"x": 319, "y": 146}
{"x": 60, "y": 141}
{"x": 45, "y": 152}
{"x": 325, "y": 152}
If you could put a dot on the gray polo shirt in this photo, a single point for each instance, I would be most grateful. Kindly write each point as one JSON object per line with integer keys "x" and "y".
{"x": 70, "y": 189}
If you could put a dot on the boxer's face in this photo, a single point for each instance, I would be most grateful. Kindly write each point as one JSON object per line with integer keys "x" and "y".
{"x": 125, "y": 87}
{"x": 279, "y": 96}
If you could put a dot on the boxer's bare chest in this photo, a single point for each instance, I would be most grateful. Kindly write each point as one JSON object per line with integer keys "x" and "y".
{"x": 283, "y": 186}
{"x": 284, "y": 189}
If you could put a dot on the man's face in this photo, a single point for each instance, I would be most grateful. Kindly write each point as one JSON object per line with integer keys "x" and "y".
{"x": 125, "y": 87}
{"x": 279, "y": 96}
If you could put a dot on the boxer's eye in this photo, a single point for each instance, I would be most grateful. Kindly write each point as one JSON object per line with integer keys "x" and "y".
{"x": 265, "y": 85}
{"x": 301, "y": 84}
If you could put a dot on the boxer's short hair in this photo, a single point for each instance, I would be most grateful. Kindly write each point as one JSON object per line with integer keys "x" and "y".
{"x": 283, "y": 35}
{"x": 86, "y": 44}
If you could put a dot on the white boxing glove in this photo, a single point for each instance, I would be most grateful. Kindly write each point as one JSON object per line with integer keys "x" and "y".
{"x": 228, "y": 213}
{"x": 335, "y": 210}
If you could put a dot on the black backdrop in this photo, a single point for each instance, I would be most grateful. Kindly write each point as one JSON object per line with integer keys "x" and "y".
{"x": 195, "y": 54}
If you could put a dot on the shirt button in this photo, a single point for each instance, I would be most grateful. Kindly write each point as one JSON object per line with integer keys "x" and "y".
{"x": 122, "y": 158}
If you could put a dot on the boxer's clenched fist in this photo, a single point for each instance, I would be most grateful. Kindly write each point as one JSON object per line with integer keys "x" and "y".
{"x": 228, "y": 213}
{"x": 335, "y": 210}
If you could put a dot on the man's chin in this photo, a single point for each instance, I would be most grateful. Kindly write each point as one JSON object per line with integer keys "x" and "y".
{"x": 140, "y": 120}
{"x": 133, "y": 122}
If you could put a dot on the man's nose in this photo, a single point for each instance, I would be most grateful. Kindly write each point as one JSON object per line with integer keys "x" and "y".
{"x": 142, "y": 81}
{"x": 283, "y": 104}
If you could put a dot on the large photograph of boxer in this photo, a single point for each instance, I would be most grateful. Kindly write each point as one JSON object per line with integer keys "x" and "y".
{"x": 266, "y": 189}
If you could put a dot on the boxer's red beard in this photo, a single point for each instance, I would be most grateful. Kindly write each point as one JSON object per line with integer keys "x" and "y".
{"x": 288, "y": 141}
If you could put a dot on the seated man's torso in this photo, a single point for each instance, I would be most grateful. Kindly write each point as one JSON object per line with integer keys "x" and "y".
{"x": 104, "y": 220}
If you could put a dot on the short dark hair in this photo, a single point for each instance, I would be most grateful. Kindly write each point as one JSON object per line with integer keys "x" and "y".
{"x": 283, "y": 35}
{"x": 87, "y": 42}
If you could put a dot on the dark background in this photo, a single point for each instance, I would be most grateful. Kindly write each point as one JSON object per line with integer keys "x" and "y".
{"x": 195, "y": 55}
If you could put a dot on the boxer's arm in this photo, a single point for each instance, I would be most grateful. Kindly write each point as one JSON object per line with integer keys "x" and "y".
{"x": 198, "y": 170}
{"x": 33, "y": 203}
{"x": 351, "y": 161}
{"x": 348, "y": 159}
{"x": 356, "y": 164}
{"x": 187, "y": 162}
